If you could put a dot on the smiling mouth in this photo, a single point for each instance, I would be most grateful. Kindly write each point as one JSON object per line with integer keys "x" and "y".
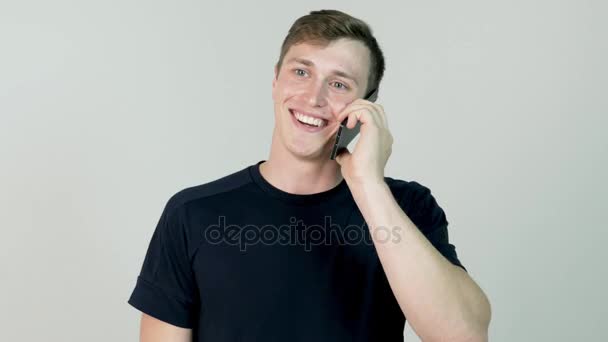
{"x": 308, "y": 121}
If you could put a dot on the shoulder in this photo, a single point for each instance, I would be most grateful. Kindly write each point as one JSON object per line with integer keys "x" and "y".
{"x": 406, "y": 191}
{"x": 225, "y": 184}
{"x": 415, "y": 198}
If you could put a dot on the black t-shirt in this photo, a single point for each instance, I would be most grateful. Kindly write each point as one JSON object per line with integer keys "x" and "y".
{"x": 237, "y": 259}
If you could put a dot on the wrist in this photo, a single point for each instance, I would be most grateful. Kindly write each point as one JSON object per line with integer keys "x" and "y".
{"x": 369, "y": 186}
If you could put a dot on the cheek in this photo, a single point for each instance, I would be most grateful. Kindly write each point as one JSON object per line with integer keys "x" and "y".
{"x": 337, "y": 107}
{"x": 289, "y": 85}
{"x": 286, "y": 92}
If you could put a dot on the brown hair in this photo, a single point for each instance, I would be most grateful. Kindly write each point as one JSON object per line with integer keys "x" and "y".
{"x": 324, "y": 26}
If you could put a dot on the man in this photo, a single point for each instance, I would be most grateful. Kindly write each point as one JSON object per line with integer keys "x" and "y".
{"x": 369, "y": 250}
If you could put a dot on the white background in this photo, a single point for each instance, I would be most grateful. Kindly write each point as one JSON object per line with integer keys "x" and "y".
{"x": 107, "y": 108}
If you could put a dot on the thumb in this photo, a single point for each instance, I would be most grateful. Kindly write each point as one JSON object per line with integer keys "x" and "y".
{"x": 343, "y": 155}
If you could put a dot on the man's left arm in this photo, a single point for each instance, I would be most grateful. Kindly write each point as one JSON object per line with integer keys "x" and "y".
{"x": 439, "y": 299}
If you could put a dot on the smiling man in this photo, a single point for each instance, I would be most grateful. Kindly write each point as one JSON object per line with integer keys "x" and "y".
{"x": 300, "y": 247}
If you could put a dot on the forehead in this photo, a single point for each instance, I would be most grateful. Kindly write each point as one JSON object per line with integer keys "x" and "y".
{"x": 347, "y": 55}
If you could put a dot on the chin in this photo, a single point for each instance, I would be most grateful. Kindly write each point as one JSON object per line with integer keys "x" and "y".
{"x": 304, "y": 153}
{"x": 308, "y": 152}
{"x": 304, "y": 146}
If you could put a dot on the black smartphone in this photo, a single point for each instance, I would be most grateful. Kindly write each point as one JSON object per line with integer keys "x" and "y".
{"x": 346, "y": 135}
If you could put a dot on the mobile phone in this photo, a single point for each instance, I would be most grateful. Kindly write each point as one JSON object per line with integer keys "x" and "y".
{"x": 346, "y": 135}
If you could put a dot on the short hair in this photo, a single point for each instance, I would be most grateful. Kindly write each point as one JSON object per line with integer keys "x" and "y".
{"x": 325, "y": 26}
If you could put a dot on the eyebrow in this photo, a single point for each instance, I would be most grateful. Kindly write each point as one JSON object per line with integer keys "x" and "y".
{"x": 310, "y": 63}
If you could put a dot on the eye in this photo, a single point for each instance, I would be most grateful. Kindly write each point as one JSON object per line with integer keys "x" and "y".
{"x": 342, "y": 84}
{"x": 297, "y": 70}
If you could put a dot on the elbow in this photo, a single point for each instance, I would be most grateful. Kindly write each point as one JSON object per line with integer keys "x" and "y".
{"x": 465, "y": 335}
{"x": 479, "y": 330}
{"x": 480, "y": 335}
{"x": 474, "y": 329}
{"x": 477, "y": 336}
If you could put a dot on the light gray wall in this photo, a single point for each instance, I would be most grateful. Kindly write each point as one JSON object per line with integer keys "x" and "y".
{"x": 107, "y": 108}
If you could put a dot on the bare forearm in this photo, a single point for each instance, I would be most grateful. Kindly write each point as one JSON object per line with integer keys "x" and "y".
{"x": 439, "y": 299}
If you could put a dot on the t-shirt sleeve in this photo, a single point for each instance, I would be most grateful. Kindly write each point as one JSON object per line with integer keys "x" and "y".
{"x": 166, "y": 287}
{"x": 430, "y": 218}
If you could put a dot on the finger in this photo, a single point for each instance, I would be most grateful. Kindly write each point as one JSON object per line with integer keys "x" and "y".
{"x": 364, "y": 116}
{"x": 379, "y": 115}
{"x": 342, "y": 155}
{"x": 357, "y": 111}
{"x": 352, "y": 121}
{"x": 382, "y": 114}
{"x": 349, "y": 109}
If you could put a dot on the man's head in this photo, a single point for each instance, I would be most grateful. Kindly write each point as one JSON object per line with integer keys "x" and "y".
{"x": 325, "y": 26}
{"x": 328, "y": 60}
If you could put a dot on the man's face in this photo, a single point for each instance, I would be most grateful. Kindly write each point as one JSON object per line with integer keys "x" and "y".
{"x": 319, "y": 82}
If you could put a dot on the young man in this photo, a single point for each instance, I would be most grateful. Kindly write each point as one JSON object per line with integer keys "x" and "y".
{"x": 304, "y": 248}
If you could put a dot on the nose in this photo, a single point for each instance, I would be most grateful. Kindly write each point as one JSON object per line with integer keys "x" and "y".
{"x": 317, "y": 94}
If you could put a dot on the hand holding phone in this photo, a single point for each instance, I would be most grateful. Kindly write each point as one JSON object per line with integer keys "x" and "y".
{"x": 346, "y": 135}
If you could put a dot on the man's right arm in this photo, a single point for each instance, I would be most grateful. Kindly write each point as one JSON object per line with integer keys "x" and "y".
{"x": 155, "y": 330}
{"x": 166, "y": 292}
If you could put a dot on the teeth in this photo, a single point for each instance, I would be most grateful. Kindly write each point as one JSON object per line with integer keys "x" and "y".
{"x": 307, "y": 119}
